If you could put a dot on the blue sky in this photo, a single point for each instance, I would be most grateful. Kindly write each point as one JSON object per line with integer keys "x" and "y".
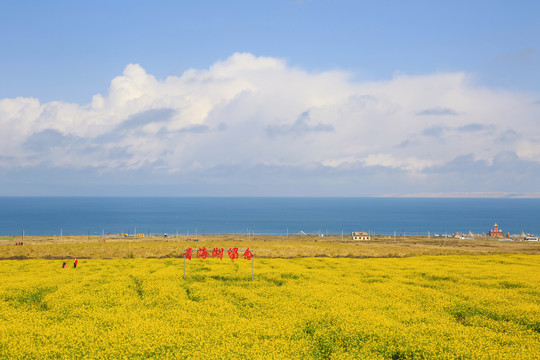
{"x": 317, "y": 98}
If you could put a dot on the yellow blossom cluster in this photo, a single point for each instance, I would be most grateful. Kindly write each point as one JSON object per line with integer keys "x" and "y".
{"x": 439, "y": 307}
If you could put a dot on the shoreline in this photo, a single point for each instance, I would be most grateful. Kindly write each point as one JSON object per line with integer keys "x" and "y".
{"x": 263, "y": 246}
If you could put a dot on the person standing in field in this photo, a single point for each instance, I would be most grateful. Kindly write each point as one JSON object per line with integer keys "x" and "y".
{"x": 75, "y": 263}
{"x": 64, "y": 265}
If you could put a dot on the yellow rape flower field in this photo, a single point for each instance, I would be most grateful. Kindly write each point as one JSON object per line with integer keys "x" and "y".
{"x": 425, "y": 307}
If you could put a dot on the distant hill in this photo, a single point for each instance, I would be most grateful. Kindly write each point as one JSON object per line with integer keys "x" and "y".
{"x": 495, "y": 195}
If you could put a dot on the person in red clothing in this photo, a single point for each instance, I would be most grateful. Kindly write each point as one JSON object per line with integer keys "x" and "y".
{"x": 75, "y": 263}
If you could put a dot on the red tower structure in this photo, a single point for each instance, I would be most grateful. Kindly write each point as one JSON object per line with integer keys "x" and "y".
{"x": 496, "y": 231}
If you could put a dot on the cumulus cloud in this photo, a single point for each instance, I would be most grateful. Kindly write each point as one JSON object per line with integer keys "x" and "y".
{"x": 141, "y": 119}
{"x": 247, "y": 114}
{"x": 46, "y": 140}
{"x": 299, "y": 127}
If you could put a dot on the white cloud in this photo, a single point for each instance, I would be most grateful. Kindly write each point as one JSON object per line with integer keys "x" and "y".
{"x": 249, "y": 111}
{"x": 410, "y": 164}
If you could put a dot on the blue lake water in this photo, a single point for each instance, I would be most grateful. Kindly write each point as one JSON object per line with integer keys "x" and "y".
{"x": 276, "y": 216}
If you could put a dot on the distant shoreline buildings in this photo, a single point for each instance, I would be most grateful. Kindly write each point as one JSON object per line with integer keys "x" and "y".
{"x": 496, "y": 232}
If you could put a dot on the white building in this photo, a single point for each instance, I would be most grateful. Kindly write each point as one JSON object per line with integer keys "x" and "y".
{"x": 360, "y": 235}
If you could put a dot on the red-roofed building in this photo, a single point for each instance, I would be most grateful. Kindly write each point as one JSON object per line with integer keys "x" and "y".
{"x": 496, "y": 231}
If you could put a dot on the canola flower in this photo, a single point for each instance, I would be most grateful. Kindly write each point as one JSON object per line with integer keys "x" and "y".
{"x": 446, "y": 307}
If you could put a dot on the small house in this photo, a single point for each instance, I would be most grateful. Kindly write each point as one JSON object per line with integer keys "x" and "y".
{"x": 360, "y": 235}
